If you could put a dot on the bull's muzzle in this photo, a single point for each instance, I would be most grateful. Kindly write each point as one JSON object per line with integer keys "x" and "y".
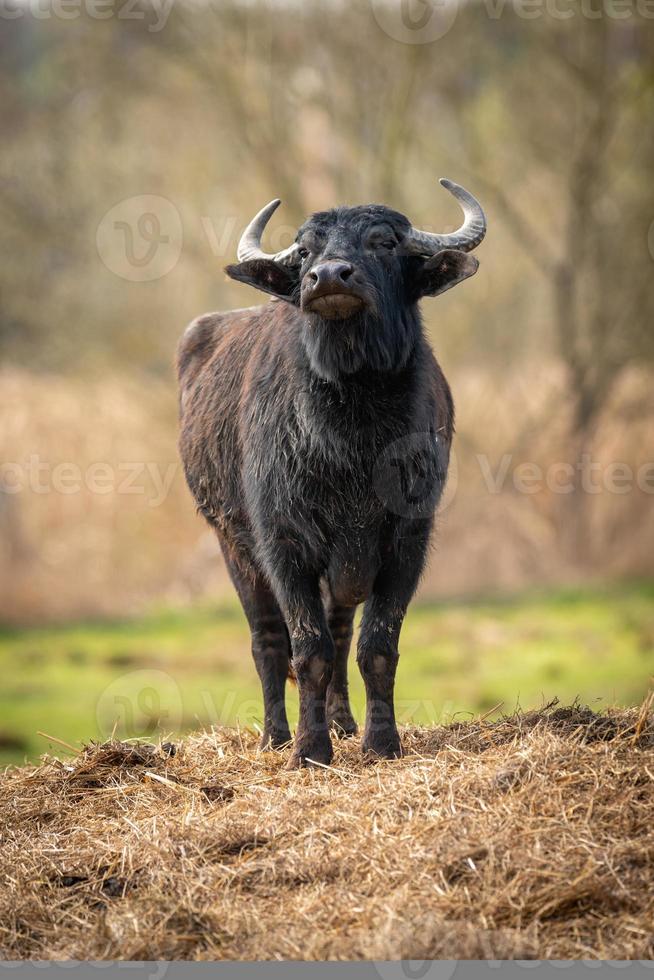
{"x": 330, "y": 291}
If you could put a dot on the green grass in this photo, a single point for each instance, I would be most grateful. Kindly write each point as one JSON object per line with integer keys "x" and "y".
{"x": 177, "y": 670}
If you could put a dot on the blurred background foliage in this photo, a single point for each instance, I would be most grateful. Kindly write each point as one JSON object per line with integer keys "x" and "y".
{"x": 217, "y": 108}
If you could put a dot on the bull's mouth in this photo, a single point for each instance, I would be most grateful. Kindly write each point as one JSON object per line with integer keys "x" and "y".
{"x": 334, "y": 306}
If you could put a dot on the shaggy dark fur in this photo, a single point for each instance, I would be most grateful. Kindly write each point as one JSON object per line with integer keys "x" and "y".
{"x": 315, "y": 435}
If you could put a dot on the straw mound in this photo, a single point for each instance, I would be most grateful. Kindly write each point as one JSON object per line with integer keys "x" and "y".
{"x": 530, "y": 837}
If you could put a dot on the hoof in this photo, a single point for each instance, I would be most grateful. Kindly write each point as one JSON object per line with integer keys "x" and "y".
{"x": 316, "y": 755}
{"x": 274, "y": 740}
{"x": 382, "y": 746}
{"x": 339, "y": 716}
{"x": 343, "y": 725}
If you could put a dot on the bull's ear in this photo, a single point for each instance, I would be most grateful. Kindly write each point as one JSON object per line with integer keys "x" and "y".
{"x": 268, "y": 276}
{"x": 441, "y": 272}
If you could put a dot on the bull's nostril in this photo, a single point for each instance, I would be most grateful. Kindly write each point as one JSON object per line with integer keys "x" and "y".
{"x": 330, "y": 274}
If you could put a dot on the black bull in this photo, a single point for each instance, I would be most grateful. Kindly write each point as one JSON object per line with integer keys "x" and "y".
{"x": 315, "y": 436}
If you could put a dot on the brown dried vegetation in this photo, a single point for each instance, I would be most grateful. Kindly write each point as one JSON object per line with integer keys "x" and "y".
{"x": 527, "y": 837}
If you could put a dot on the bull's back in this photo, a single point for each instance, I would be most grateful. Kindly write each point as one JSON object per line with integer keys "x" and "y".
{"x": 214, "y": 339}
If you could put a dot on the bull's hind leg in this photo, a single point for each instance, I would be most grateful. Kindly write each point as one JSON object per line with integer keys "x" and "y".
{"x": 339, "y": 716}
{"x": 271, "y": 650}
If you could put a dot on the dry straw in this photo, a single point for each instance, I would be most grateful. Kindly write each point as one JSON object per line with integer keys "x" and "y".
{"x": 531, "y": 836}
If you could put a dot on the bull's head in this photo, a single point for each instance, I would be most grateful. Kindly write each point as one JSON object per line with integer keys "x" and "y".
{"x": 365, "y": 268}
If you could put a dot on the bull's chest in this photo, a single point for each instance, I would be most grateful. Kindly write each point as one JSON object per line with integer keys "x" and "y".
{"x": 343, "y": 521}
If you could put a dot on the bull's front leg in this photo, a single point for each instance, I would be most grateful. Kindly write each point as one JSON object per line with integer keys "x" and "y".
{"x": 297, "y": 591}
{"x": 313, "y": 658}
{"x": 377, "y": 649}
{"x": 377, "y": 657}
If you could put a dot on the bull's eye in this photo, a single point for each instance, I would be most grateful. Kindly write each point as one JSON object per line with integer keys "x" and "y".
{"x": 303, "y": 252}
{"x": 383, "y": 246}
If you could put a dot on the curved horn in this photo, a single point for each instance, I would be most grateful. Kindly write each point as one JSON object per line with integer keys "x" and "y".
{"x": 249, "y": 247}
{"x": 468, "y": 236}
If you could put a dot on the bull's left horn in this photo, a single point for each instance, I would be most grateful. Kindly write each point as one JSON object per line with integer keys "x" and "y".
{"x": 249, "y": 247}
{"x": 467, "y": 237}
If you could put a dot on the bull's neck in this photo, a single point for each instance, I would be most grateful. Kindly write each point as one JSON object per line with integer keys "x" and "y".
{"x": 362, "y": 349}
{"x": 364, "y": 407}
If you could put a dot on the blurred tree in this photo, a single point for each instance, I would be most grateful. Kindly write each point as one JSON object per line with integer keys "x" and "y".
{"x": 579, "y": 127}
{"x": 548, "y": 120}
